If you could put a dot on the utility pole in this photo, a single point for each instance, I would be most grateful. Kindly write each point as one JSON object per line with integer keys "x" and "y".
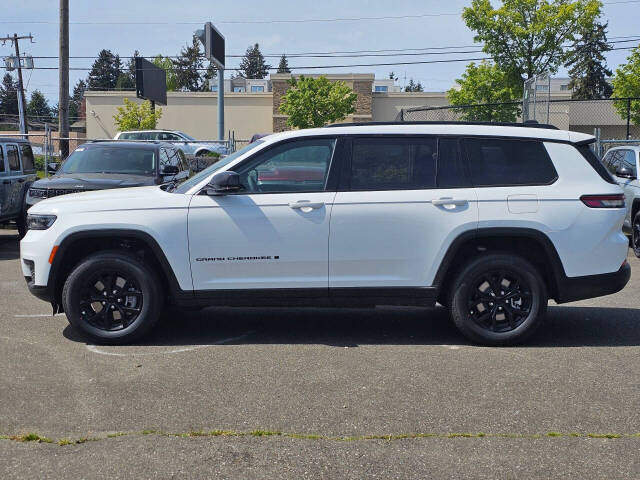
{"x": 63, "y": 80}
{"x": 22, "y": 104}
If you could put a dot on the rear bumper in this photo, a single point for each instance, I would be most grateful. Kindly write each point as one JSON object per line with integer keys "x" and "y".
{"x": 572, "y": 289}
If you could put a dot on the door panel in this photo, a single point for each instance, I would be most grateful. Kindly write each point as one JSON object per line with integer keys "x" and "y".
{"x": 395, "y": 238}
{"x": 260, "y": 241}
{"x": 15, "y": 179}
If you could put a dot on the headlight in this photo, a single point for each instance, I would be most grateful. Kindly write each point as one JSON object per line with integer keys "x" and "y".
{"x": 40, "y": 222}
{"x": 38, "y": 192}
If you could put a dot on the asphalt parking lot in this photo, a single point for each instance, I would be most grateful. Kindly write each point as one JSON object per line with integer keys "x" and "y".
{"x": 318, "y": 393}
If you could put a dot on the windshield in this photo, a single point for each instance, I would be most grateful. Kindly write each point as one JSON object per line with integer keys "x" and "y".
{"x": 184, "y": 187}
{"x": 110, "y": 159}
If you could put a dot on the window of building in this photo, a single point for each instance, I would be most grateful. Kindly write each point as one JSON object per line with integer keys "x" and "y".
{"x": 564, "y": 87}
{"x": 238, "y": 89}
{"x": 542, "y": 88}
{"x": 213, "y": 88}
{"x": 496, "y": 162}
{"x": 381, "y": 88}
{"x": 257, "y": 88}
{"x": 12, "y": 156}
{"x": 393, "y": 163}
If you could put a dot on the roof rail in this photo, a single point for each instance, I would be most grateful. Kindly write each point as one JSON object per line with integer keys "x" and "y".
{"x": 527, "y": 124}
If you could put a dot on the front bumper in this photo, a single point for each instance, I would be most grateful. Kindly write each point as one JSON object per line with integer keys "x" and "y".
{"x": 39, "y": 291}
{"x": 573, "y": 289}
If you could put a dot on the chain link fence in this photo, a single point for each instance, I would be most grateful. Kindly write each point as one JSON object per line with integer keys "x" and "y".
{"x": 612, "y": 116}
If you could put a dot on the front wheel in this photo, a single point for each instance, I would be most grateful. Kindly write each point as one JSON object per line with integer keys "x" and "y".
{"x": 498, "y": 299}
{"x": 635, "y": 235}
{"x": 112, "y": 298}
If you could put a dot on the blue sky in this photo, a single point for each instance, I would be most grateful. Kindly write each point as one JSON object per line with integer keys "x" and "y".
{"x": 40, "y": 17}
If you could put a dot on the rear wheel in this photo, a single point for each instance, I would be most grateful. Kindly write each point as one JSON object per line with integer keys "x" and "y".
{"x": 635, "y": 235}
{"x": 112, "y": 298}
{"x": 21, "y": 224}
{"x": 498, "y": 299}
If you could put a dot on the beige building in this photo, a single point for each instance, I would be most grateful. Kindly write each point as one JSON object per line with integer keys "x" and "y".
{"x": 248, "y": 113}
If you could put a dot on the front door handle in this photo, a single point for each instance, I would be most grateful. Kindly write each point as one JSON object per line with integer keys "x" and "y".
{"x": 449, "y": 201}
{"x": 6, "y": 181}
{"x": 306, "y": 205}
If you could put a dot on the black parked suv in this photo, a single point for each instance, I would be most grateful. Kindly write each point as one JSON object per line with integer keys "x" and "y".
{"x": 17, "y": 172}
{"x": 105, "y": 165}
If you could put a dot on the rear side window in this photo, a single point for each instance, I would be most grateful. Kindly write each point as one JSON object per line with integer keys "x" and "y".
{"x": 393, "y": 163}
{"x": 12, "y": 156}
{"x": 502, "y": 162}
{"x": 1, "y": 160}
{"x": 593, "y": 160}
{"x": 27, "y": 158}
{"x": 451, "y": 168}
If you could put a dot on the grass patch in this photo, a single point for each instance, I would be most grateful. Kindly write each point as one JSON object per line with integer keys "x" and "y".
{"x": 264, "y": 433}
{"x": 604, "y": 435}
{"x": 148, "y": 432}
{"x": 31, "y": 437}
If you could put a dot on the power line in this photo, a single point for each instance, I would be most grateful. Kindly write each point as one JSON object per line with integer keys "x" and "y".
{"x": 272, "y": 21}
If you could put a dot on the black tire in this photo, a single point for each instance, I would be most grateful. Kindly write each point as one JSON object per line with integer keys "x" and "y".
{"x": 21, "y": 224}
{"x": 498, "y": 299}
{"x": 635, "y": 234}
{"x": 130, "y": 290}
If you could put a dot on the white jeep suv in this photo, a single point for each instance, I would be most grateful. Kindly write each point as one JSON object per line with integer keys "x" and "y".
{"x": 489, "y": 221}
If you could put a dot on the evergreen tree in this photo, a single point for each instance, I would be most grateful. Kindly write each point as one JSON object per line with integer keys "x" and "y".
{"x": 588, "y": 68}
{"x": 187, "y": 68}
{"x": 104, "y": 71}
{"x": 253, "y": 64}
{"x": 39, "y": 107}
{"x": 210, "y": 78}
{"x": 283, "y": 67}
{"x": 8, "y": 95}
{"x": 168, "y": 65}
{"x": 127, "y": 77}
{"x": 413, "y": 86}
{"x": 75, "y": 102}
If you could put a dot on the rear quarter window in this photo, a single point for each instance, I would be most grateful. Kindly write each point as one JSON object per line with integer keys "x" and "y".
{"x": 508, "y": 162}
{"x": 28, "y": 163}
{"x": 592, "y": 159}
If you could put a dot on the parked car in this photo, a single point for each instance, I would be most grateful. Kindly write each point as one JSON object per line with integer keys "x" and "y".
{"x": 17, "y": 173}
{"x": 107, "y": 165}
{"x": 489, "y": 221}
{"x": 623, "y": 163}
{"x": 189, "y": 145}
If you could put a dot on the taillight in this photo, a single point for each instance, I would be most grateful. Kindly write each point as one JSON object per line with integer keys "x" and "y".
{"x": 603, "y": 201}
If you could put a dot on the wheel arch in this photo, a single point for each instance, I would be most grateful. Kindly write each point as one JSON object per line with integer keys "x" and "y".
{"x": 79, "y": 245}
{"x": 533, "y": 245}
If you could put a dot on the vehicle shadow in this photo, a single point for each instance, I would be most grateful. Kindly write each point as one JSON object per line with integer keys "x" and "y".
{"x": 9, "y": 244}
{"x": 565, "y": 326}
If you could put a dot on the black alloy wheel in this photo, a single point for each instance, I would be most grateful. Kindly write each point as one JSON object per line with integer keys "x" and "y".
{"x": 635, "y": 235}
{"x": 110, "y": 300}
{"x": 499, "y": 301}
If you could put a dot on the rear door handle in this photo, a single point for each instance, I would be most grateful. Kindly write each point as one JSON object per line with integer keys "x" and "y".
{"x": 449, "y": 201}
{"x": 306, "y": 205}
{"x": 20, "y": 180}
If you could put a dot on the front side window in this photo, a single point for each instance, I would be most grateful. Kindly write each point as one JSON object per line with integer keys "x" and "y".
{"x": 110, "y": 159}
{"x": 299, "y": 166}
{"x": 629, "y": 161}
{"x": 451, "y": 168}
{"x": 28, "y": 163}
{"x": 612, "y": 161}
{"x": 505, "y": 162}
{"x": 12, "y": 156}
{"x": 393, "y": 163}
{"x": 1, "y": 160}
{"x": 169, "y": 156}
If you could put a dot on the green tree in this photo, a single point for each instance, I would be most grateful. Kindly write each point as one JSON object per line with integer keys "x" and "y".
{"x": 626, "y": 83}
{"x": 104, "y": 71}
{"x": 588, "y": 68}
{"x": 526, "y": 37}
{"x": 253, "y": 64}
{"x": 187, "y": 68}
{"x": 75, "y": 102}
{"x": 315, "y": 102}
{"x": 481, "y": 84}
{"x": 136, "y": 116}
{"x": 167, "y": 64}
{"x": 9, "y": 95}
{"x": 283, "y": 66}
{"x": 413, "y": 86}
{"x": 210, "y": 78}
{"x": 38, "y": 106}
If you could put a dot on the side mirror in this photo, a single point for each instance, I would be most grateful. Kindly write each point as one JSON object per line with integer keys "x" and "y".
{"x": 170, "y": 170}
{"x": 52, "y": 167}
{"x": 625, "y": 172}
{"x": 223, "y": 183}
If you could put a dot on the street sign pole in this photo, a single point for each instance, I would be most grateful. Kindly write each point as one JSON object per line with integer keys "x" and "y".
{"x": 221, "y": 104}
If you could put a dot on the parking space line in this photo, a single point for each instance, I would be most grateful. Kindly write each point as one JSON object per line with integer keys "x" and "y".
{"x": 36, "y": 315}
{"x": 96, "y": 349}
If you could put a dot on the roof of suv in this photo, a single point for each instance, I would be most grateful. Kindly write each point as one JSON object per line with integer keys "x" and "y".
{"x": 626, "y": 147}
{"x": 151, "y": 144}
{"x": 461, "y": 129}
{"x": 13, "y": 139}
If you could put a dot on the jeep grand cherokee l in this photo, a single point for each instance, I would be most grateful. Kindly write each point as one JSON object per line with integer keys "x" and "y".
{"x": 489, "y": 221}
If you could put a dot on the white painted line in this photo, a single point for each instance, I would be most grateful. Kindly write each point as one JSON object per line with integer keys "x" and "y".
{"x": 37, "y": 315}
{"x": 96, "y": 349}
